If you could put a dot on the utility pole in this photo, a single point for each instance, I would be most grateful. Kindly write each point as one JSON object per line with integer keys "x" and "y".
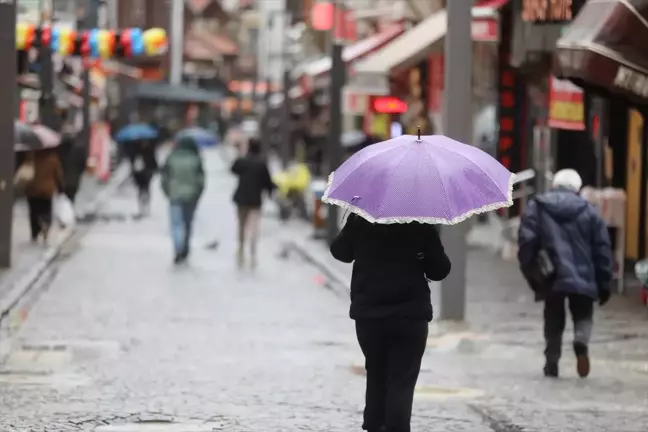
{"x": 7, "y": 116}
{"x": 89, "y": 22}
{"x": 338, "y": 72}
{"x": 457, "y": 107}
{"x": 46, "y": 109}
{"x": 177, "y": 41}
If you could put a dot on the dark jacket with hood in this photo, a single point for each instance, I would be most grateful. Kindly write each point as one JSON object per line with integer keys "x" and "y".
{"x": 391, "y": 265}
{"x": 575, "y": 237}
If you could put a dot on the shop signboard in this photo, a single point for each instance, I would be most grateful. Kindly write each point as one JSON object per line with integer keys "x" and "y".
{"x": 99, "y": 157}
{"x": 550, "y": 11}
{"x": 566, "y": 105}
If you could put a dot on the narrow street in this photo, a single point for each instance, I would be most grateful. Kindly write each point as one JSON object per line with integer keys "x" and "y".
{"x": 121, "y": 336}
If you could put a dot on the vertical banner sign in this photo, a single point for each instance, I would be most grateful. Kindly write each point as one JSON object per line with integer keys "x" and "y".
{"x": 436, "y": 83}
{"x": 566, "y": 105}
{"x": 99, "y": 157}
{"x": 510, "y": 105}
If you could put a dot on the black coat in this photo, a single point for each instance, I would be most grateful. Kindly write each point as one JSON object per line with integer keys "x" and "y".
{"x": 390, "y": 267}
{"x": 254, "y": 178}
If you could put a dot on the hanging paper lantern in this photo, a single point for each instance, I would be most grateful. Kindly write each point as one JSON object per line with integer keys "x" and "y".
{"x": 66, "y": 38}
{"x": 22, "y": 37}
{"x": 322, "y": 16}
{"x": 106, "y": 40}
{"x": 85, "y": 44}
{"x": 55, "y": 39}
{"x": 155, "y": 41}
{"x": 46, "y": 36}
{"x": 93, "y": 42}
{"x": 137, "y": 42}
{"x": 123, "y": 43}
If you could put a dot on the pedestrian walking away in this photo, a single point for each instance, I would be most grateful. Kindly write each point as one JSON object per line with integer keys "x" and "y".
{"x": 144, "y": 165}
{"x": 183, "y": 182}
{"x": 47, "y": 180}
{"x": 565, "y": 255}
{"x": 254, "y": 179}
{"x": 390, "y": 303}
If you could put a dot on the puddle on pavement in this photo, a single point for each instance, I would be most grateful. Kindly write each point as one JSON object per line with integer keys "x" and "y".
{"x": 447, "y": 392}
{"x": 162, "y": 426}
{"x": 39, "y": 378}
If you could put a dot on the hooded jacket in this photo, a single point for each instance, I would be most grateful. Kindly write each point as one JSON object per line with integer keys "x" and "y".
{"x": 183, "y": 176}
{"x": 575, "y": 237}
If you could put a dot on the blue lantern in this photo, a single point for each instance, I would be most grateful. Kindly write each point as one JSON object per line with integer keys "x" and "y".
{"x": 137, "y": 42}
{"x": 55, "y": 39}
{"x": 93, "y": 41}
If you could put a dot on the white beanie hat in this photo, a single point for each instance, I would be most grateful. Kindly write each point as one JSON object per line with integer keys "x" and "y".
{"x": 568, "y": 179}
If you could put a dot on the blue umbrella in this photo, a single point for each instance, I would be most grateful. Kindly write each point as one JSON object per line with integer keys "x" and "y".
{"x": 202, "y": 137}
{"x": 135, "y": 132}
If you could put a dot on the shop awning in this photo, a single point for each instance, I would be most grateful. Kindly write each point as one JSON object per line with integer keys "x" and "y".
{"x": 604, "y": 49}
{"x": 415, "y": 44}
{"x": 175, "y": 93}
{"x": 355, "y": 51}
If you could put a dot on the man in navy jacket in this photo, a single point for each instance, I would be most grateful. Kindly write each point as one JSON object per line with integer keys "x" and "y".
{"x": 576, "y": 240}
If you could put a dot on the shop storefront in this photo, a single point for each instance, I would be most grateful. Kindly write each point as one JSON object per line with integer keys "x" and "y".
{"x": 411, "y": 67}
{"x": 602, "y": 51}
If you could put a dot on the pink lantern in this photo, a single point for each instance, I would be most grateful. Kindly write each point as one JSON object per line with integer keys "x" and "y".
{"x": 322, "y": 16}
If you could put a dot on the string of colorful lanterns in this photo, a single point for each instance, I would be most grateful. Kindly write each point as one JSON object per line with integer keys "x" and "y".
{"x": 95, "y": 43}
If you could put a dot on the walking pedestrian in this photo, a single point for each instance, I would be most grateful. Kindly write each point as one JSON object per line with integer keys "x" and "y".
{"x": 565, "y": 254}
{"x": 390, "y": 303}
{"x": 41, "y": 189}
{"x": 254, "y": 178}
{"x": 144, "y": 165}
{"x": 183, "y": 182}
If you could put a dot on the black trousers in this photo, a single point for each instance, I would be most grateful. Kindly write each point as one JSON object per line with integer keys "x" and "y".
{"x": 393, "y": 349}
{"x": 581, "y": 309}
{"x": 40, "y": 215}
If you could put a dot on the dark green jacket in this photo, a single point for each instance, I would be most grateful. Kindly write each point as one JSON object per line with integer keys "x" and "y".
{"x": 183, "y": 176}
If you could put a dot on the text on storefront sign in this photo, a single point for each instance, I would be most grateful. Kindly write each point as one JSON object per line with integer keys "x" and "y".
{"x": 539, "y": 11}
{"x": 632, "y": 81}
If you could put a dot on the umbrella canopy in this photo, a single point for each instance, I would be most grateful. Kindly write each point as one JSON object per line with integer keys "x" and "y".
{"x": 36, "y": 137}
{"x": 49, "y": 137}
{"x": 432, "y": 179}
{"x": 202, "y": 137}
{"x": 136, "y": 132}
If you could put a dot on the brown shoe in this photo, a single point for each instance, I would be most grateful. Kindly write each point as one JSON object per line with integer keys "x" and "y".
{"x": 582, "y": 359}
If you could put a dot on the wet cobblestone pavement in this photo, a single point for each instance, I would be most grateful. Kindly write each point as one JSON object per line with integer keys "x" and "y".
{"x": 121, "y": 336}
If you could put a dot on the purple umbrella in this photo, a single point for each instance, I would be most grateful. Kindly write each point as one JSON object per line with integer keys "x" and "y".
{"x": 431, "y": 179}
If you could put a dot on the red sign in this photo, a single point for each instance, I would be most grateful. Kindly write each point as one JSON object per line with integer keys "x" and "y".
{"x": 389, "y": 105}
{"x": 566, "y": 105}
{"x": 322, "y": 16}
{"x": 484, "y": 30}
{"x": 99, "y": 157}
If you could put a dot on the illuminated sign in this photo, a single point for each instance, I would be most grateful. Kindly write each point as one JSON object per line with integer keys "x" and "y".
{"x": 389, "y": 105}
{"x": 550, "y": 11}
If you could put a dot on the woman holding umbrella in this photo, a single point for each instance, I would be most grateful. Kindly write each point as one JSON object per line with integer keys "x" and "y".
{"x": 45, "y": 174}
{"x": 397, "y": 190}
{"x": 140, "y": 140}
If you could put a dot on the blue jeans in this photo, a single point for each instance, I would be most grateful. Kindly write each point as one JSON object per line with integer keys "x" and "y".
{"x": 182, "y": 214}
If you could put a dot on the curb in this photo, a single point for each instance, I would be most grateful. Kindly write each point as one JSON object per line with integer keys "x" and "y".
{"x": 340, "y": 282}
{"x": 26, "y": 282}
